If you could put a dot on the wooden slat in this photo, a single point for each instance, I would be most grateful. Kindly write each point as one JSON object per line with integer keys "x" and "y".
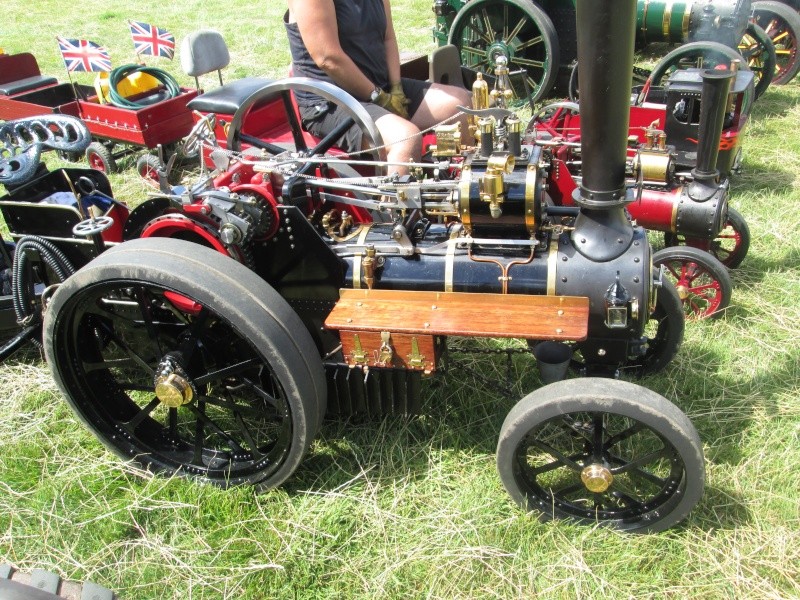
{"x": 463, "y": 314}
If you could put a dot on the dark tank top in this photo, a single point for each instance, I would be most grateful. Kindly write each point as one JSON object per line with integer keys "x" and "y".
{"x": 362, "y": 28}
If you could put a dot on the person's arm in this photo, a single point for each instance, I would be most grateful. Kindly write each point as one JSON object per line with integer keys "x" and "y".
{"x": 392, "y": 49}
{"x": 316, "y": 21}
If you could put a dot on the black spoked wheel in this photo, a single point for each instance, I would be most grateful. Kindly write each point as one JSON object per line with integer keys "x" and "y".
{"x": 186, "y": 362}
{"x": 694, "y": 54}
{"x": 782, "y": 25}
{"x": 703, "y": 283}
{"x": 729, "y": 247}
{"x": 602, "y": 451}
{"x": 517, "y": 29}
{"x": 758, "y": 50}
{"x": 663, "y": 333}
{"x": 662, "y": 337}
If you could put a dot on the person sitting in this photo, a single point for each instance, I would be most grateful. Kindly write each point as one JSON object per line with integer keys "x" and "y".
{"x": 352, "y": 44}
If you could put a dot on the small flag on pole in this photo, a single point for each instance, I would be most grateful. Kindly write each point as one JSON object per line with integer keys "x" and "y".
{"x": 83, "y": 55}
{"x": 148, "y": 39}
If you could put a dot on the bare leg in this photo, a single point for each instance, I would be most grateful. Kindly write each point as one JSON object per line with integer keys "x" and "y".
{"x": 441, "y": 102}
{"x": 402, "y": 139}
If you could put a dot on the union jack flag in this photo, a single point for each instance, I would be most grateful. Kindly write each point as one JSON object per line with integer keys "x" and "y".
{"x": 148, "y": 39}
{"x": 83, "y": 55}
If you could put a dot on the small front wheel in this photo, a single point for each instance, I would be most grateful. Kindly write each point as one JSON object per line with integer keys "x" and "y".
{"x": 602, "y": 451}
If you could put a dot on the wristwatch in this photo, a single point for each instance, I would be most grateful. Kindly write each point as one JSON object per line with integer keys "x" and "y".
{"x": 376, "y": 93}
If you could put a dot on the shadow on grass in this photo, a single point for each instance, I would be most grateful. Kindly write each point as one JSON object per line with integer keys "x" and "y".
{"x": 463, "y": 412}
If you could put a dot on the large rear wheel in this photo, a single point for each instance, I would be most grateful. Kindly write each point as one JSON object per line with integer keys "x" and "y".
{"x": 601, "y": 451}
{"x": 782, "y": 24}
{"x": 517, "y": 29}
{"x": 184, "y": 361}
{"x": 758, "y": 50}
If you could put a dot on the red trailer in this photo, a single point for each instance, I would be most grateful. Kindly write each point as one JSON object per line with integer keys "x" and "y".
{"x": 161, "y": 120}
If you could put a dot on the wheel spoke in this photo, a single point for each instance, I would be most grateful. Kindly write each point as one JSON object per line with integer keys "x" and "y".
{"x": 528, "y": 62}
{"x": 226, "y": 372}
{"x": 623, "y": 435}
{"x": 257, "y": 455}
{"x": 173, "y": 422}
{"x": 107, "y": 364}
{"x": 133, "y": 423}
{"x": 207, "y": 421}
{"x": 487, "y": 25}
{"x": 272, "y": 401}
{"x": 515, "y": 32}
{"x": 597, "y": 436}
{"x": 529, "y": 43}
{"x": 128, "y": 350}
{"x": 551, "y": 466}
{"x": 562, "y": 493}
{"x": 147, "y": 316}
{"x": 556, "y": 454}
{"x": 234, "y": 407}
{"x": 190, "y": 342}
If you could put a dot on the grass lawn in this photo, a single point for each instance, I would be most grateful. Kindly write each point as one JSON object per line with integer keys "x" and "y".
{"x": 413, "y": 508}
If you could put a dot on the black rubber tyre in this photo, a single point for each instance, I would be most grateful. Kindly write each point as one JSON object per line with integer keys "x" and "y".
{"x": 731, "y": 245}
{"x": 703, "y": 283}
{"x": 782, "y": 25}
{"x": 664, "y": 333}
{"x": 758, "y": 50}
{"x": 693, "y": 54}
{"x": 155, "y": 308}
{"x": 147, "y": 165}
{"x": 99, "y": 157}
{"x": 602, "y": 451}
{"x": 518, "y": 29}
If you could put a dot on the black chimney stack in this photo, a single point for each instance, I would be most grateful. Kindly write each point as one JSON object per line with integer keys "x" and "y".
{"x": 606, "y": 32}
{"x": 713, "y": 108}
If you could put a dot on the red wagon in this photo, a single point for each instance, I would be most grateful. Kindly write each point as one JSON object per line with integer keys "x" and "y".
{"x": 160, "y": 121}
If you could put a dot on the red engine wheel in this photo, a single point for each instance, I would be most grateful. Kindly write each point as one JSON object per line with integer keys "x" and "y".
{"x": 702, "y": 282}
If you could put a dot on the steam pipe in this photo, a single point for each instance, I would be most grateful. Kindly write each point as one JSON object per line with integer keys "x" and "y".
{"x": 606, "y": 33}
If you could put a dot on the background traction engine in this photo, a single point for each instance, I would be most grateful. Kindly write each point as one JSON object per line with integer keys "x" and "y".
{"x": 195, "y": 361}
{"x": 682, "y": 152}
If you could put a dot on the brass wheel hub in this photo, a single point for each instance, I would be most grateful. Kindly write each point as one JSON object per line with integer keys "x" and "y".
{"x": 173, "y": 390}
{"x": 683, "y": 291}
{"x": 172, "y": 385}
{"x": 596, "y": 478}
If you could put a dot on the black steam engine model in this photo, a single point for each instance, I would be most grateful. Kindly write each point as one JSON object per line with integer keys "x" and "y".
{"x": 320, "y": 289}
